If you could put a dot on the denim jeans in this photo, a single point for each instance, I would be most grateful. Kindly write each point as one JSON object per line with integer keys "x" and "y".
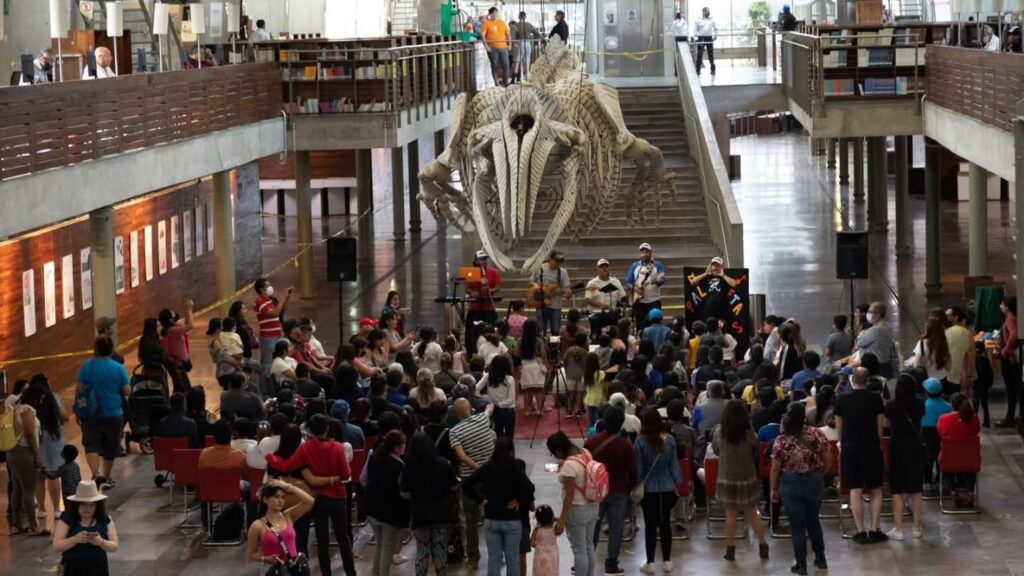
{"x": 593, "y": 415}
{"x": 267, "y": 352}
{"x": 801, "y": 496}
{"x": 612, "y": 509}
{"x": 502, "y": 537}
{"x": 332, "y": 511}
{"x": 500, "y": 55}
{"x": 505, "y": 422}
{"x": 580, "y": 530}
{"x": 550, "y": 317}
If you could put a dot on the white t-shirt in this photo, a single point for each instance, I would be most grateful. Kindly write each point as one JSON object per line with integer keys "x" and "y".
{"x": 573, "y": 468}
{"x": 488, "y": 351}
{"x": 279, "y": 365}
{"x": 439, "y": 396}
{"x": 607, "y": 299}
{"x": 924, "y": 359}
{"x": 268, "y": 446}
{"x": 253, "y": 458}
{"x": 259, "y": 35}
{"x": 101, "y": 73}
{"x": 679, "y": 27}
{"x": 431, "y": 358}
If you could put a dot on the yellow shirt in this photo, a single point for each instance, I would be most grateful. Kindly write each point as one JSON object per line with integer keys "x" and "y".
{"x": 595, "y": 390}
{"x": 495, "y": 33}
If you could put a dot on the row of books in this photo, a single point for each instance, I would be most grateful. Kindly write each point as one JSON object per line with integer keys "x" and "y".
{"x": 332, "y": 106}
{"x": 869, "y": 57}
{"x": 341, "y": 72}
{"x": 355, "y": 53}
{"x": 874, "y": 57}
{"x": 839, "y": 87}
{"x": 898, "y": 86}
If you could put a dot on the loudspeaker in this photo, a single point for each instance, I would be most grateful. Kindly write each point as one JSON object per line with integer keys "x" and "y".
{"x": 851, "y": 255}
{"x": 341, "y": 259}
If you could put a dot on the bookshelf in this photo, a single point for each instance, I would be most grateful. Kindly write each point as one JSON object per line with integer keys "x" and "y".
{"x": 871, "y": 61}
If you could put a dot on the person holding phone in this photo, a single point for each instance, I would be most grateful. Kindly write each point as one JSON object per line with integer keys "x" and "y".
{"x": 85, "y": 533}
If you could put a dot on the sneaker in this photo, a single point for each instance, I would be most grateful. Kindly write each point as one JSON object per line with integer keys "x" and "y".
{"x": 666, "y": 566}
{"x": 876, "y": 536}
{"x": 798, "y": 569}
{"x": 821, "y": 563}
{"x": 615, "y": 571}
{"x": 918, "y": 532}
{"x": 648, "y": 568}
{"x": 895, "y": 535}
{"x": 399, "y": 559}
{"x": 860, "y": 537}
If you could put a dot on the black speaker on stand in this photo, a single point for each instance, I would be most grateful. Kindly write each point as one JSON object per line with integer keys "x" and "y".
{"x": 341, "y": 268}
{"x": 852, "y": 261}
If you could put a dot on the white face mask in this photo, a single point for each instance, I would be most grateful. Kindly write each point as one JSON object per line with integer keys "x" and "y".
{"x": 872, "y": 318}
{"x": 270, "y": 290}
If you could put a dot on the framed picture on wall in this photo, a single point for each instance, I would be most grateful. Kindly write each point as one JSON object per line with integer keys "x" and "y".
{"x": 133, "y": 257}
{"x": 175, "y": 244}
{"x": 186, "y": 234}
{"x": 119, "y": 265}
{"x": 161, "y": 245}
{"x": 86, "y": 278}
{"x": 147, "y": 237}
{"x": 67, "y": 285}
{"x": 209, "y": 226}
{"x": 49, "y": 294}
{"x": 200, "y": 226}
{"x": 28, "y": 300}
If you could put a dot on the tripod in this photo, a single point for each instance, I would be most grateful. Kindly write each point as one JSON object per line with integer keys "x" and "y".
{"x": 555, "y": 378}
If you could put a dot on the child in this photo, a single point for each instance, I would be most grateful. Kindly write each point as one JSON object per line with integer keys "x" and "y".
{"x": 699, "y": 328}
{"x": 70, "y": 474}
{"x": 545, "y": 543}
{"x": 533, "y": 371}
{"x": 604, "y": 350}
{"x": 229, "y": 340}
{"x": 573, "y": 360}
{"x": 934, "y": 406}
{"x": 593, "y": 379}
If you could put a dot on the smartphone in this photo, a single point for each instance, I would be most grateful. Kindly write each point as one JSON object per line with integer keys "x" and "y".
{"x": 551, "y": 467}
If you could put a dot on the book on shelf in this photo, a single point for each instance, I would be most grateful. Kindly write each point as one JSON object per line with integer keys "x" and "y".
{"x": 874, "y": 57}
{"x": 265, "y": 55}
{"x": 839, "y": 87}
{"x": 909, "y": 36}
{"x": 882, "y": 37}
{"x": 910, "y": 56}
{"x": 835, "y": 58}
{"x": 834, "y": 38}
{"x": 879, "y": 86}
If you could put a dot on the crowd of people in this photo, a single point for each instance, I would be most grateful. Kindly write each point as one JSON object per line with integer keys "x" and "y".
{"x": 438, "y": 424}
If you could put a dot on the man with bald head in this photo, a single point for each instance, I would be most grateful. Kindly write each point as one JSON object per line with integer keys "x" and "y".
{"x": 104, "y": 65}
{"x": 860, "y": 419}
{"x": 473, "y": 442}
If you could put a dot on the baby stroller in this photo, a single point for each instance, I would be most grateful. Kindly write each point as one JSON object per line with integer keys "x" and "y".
{"x": 148, "y": 403}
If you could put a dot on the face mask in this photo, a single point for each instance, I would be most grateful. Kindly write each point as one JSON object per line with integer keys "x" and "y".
{"x": 270, "y": 290}
{"x": 871, "y": 317}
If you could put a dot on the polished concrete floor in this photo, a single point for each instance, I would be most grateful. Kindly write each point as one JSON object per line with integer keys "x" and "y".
{"x": 791, "y": 207}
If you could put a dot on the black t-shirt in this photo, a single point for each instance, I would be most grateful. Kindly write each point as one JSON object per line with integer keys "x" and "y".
{"x": 716, "y": 298}
{"x": 859, "y": 410}
{"x": 431, "y": 501}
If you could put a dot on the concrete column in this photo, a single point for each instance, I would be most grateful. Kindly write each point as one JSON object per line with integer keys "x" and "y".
{"x": 413, "y": 162}
{"x": 304, "y": 211}
{"x": 932, "y": 274}
{"x": 830, "y": 144}
{"x": 878, "y": 185}
{"x": 844, "y": 161}
{"x": 104, "y": 298}
{"x": 903, "y": 230}
{"x": 858, "y": 170}
{"x": 977, "y": 237}
{"x": 364, "y": 204}
{"x": 398, "y": 192}
{"x": 224, "y": 236}
{"x": 1018, "y": 130}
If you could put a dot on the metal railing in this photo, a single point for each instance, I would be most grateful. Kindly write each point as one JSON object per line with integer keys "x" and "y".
{"x": 723, "y": 212}
{"x": 799, "y": 69}
{"x": 412, "y": 81}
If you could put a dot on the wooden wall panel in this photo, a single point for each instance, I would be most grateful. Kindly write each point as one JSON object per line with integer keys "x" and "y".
{"x": 322, "y": 164}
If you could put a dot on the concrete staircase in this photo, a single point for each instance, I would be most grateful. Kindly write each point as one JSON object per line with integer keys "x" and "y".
{"x": 681, "y": 236}
{"x": 134, "y": 20}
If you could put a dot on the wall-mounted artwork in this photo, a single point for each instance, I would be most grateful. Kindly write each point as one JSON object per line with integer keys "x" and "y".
{"x": 67, "y": 284}
{"x": 209, "y": 226}
{"x": 119, "y": 265}
{"x": 133, "y": 257}
{"x": 161, "y": 245}
{"x": 200, "y": 226}
{"x": 49, "y": 294}
{"x": 175, "y": 244}
{"x": 147, "y": 237}
{"x": 86, "y": 278}
{"x": 28, "y": 300}
{"x": 187, "y": 234}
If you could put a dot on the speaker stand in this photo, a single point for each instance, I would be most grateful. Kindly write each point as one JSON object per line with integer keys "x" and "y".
{"x": 853, "y": 307}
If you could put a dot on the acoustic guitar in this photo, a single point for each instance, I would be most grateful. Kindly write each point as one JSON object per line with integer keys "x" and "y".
{"x": 541, "y": 296}
{"x": 643, "y": 274}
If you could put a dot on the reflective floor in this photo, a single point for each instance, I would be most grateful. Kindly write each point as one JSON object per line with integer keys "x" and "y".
{"x": 791, "y": 207}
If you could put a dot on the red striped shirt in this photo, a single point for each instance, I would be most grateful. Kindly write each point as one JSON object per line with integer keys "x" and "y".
{"x": 270, "y": 324}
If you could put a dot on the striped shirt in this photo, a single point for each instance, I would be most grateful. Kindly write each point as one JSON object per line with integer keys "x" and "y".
{"x": 70, "y": 476}
{"x": 475, "y": 436}
{"x": 270, "y": 324}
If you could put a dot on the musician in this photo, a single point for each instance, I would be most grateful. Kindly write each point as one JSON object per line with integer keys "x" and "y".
{"x": 602, "y": 304}
{"x": 481, "y": 307}
{"x": 715, "y": 284}
{"x": 645, "y": 278}
{"x": 553, "y": 281}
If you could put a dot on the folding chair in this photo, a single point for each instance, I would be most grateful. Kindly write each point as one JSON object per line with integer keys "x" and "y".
{"x": 185, "y": 470}
{"x": 163, "y": 454}
{"x": 356, "y": 465}
{"x": 220, "y": 487}
{"x": 844, "y": 492}
{"x": 886, "y": 485}
{"x": 683, "y": 490}
{"x": 959, "y": 456}
{"x": 830, "y": 477}
{"x": 764, "y": 473}
{"x": 255, "y": 478}
{"x": 711, "y": 490}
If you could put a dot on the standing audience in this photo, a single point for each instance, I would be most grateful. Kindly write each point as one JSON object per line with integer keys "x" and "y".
{"x": 658, "y": 469}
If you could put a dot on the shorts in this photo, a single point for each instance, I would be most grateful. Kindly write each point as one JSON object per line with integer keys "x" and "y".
{"x": 572, "y": 385}
{"x": 860, "y": 466}
{"x": 102, "y": 435}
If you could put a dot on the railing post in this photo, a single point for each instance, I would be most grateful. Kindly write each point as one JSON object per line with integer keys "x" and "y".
{"x": 1018, "y": 137}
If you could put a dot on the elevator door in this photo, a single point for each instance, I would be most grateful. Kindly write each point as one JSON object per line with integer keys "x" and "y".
{"x": 633, "y": 26}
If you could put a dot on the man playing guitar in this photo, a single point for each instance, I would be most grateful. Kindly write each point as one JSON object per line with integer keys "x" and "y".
{"x": 601, "y": 303}
{"x": 548, "y": 286}
{"x": 482, "y": 292}
{"x": 644, "y": 281}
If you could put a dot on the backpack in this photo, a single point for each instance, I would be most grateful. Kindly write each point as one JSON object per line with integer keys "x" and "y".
{"x": 229, "y": 524}
{"x": 596, "y": 486}
{"x": 8, "y": 438}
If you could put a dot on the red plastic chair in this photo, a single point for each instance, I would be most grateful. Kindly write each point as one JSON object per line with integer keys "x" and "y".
{"x": 255, "y": 477}
{"x": 683, "y": 489}
{"x": 219, "y": 487}
{"x": 370, "y": 442}
{"x": 208, "y": 441}
{"x": 163, "y": 453}
{"x": 959, "y": 456}
{"x": 830, "y": 480}
{"x": 764, "y": 461}
{"x": 357, "y": 464}
{"x": 185, "y": 469}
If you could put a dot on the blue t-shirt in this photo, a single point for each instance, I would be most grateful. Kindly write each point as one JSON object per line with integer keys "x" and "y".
{"x": 801, "y": 378}
{"x": 933, "y": 408}
{"x": 769, "y": 432}
{"x": 102, "y": 380}
{"x": 657, "y": 334}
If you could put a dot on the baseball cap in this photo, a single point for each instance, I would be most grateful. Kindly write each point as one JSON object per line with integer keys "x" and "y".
{"x": 717, "y": 260}
{"x": 645, "y": 246}
{"x": 367, "y": 322}
{"x": 654, "y": 314}
{"x": 481, "y": 255}
{"x": 602, "y": 262}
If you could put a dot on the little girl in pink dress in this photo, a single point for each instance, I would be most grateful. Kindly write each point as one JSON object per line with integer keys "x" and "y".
{"x": 545, "y": 543}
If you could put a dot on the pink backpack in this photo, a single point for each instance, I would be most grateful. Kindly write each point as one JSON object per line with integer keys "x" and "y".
{"x": 595, "y": 487}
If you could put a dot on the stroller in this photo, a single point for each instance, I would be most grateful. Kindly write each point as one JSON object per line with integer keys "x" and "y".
{"x": 148, "y": 403}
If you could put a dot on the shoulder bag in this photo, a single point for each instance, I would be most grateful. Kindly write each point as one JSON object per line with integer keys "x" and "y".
{"x": 297, "y": 565}
{"x": 638, "y": 491}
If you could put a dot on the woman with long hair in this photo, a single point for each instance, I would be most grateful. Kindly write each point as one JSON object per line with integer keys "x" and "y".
{"x": 272, "y": 539}
{"x": 962, "y": 422}
{"x": 387, "y": 511}
{"x": 800, "y": 457}
{"x": 424, "y": 393}
{"x": 594, "y": 391}
{"x": 150, "y": 350}
{"x": 578, "y": 516}
{"x": 52, "y": 416}
{"x": 393, "y": 303}
{"x": 396, "y": 342}
{"x": 427, "y": 351}
{"x": 502, "y": 487}
{"x": 932, "y": 350}
{"x": 175, "y": 342}
{"x": 85, "y": 533}
{"x": 790, "y": 358}
{"x": 906, "y": 453}
{"x": 25, "y": 459}
{"x": 658, "y": 470}
{"x": 533, "y": 372}
{"x": 249, "y": 340}
{"x": 824, "y": 400}
{"x": 738, "y": 488}
{"x": 429, "y": 485}
{"x": 498, "y": 385}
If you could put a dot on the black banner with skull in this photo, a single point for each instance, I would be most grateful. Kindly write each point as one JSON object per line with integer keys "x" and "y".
{"x": 713, "y": 297}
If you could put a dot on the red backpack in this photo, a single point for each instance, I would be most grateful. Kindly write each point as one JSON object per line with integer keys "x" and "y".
{"x": 595, "y": 487}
